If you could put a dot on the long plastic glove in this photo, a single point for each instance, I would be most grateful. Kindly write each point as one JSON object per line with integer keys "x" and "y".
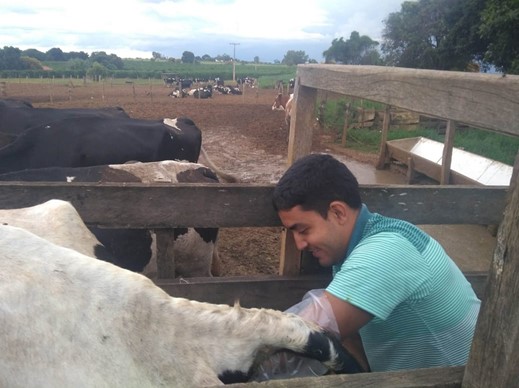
{"x": 315, "y": 307}
{"x": 283, "y": 365}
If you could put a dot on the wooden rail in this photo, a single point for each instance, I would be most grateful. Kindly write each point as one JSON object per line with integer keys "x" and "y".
{"x": 243, "y": 205}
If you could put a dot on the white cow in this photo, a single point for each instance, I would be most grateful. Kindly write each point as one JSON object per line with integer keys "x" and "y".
{"x": 288, "y": 108}
{"x": 69, "y": 321}
{"x": 59, "y": 222}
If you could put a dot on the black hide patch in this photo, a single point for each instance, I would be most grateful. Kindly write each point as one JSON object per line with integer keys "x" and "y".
{"x": 199, "y": 175}
{"x": 318, "y": 347}
{"x": 234, "y": 377}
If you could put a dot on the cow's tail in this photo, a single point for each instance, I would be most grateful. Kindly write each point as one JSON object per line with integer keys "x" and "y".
{"x": 226, "y": 177}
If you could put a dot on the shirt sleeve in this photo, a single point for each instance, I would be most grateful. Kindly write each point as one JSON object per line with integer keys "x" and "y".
{"x": 381, "y": 272}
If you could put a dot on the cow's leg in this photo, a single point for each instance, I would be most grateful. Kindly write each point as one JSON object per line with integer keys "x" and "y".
{"x": 165, "y": 256}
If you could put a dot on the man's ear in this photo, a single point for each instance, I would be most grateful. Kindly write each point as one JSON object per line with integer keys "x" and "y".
{"x": 339, "y": 210}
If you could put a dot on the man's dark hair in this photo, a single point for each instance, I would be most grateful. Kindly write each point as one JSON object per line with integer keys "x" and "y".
{"x": 314, "y": 181}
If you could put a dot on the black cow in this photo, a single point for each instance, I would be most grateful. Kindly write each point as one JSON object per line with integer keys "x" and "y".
{"x": 16, "y": 116}
{"x": 194, "y": 249}
{"x": 91, "y": 141}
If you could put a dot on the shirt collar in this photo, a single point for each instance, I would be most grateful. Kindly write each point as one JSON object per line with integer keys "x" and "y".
{"x": 356, "y": 235}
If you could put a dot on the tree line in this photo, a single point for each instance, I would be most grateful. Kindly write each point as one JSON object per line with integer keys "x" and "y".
{"x": 426, "y": 34}
{"x": 441, "y": 35}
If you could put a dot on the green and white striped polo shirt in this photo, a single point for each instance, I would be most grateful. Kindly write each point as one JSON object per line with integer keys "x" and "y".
{"x": 424, "y": 309}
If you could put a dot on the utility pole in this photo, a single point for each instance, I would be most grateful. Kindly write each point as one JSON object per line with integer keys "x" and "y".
{"x": 234, "y": 61}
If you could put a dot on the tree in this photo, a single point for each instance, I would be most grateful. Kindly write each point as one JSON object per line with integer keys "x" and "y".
{"x": 500, "y": 21}
{"x": 76, "y": 55}
{"x": 434, "y": 34}
{"x": 55, "y": 54}
{"x": 293, "y": 57}
{"x": 188, "y": 57}
{"x": 33, "y": 53}
{"x": 77, "y": 64}
{"x": 31, "y": 63}
{"x": 155, "y": 55}
{"x": 224, "y": 58}
{"x": 207, "y": 58}
{"x": 358, "y": 50}
{"x": 111, "y": 62}
{"x": 10, "y": 59}
{"x": 256, "y": 59}
{"x": 97, "y": 71}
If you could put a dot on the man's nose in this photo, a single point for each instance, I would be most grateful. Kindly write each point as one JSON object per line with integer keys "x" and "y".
{"x": 301, "y": 243}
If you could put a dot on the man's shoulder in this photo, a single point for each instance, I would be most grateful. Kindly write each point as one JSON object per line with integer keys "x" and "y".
{"x": 394, "y": 229}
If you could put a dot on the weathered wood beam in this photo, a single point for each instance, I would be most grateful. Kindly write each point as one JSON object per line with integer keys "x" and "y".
{"x": 269, "y": 291}
{"x": 416, "y": 378}
{"x": 494, "y": 356}
{"x": 245, "y": 205}
{"x": 483, "y": 100}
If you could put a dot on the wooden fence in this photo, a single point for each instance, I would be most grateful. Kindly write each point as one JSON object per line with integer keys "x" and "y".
{"x": 238, "y": 205}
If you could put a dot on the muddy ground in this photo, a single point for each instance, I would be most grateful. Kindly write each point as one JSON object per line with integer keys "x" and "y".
{"x": 241, "y": 134}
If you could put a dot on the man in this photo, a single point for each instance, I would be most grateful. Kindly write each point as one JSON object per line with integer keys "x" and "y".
{"x": 392, "y": 283}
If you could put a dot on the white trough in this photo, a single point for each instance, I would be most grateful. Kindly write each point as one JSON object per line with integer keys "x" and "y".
{"x": 466, "y": 168}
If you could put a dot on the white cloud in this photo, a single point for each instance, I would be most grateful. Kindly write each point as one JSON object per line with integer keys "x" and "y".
{"x": 137, "y": 27}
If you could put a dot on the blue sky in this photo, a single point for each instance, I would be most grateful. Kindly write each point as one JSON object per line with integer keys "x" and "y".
{"x": 136, "y": 28}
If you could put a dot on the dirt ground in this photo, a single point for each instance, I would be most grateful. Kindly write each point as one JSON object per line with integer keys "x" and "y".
{"x": 241, "y": 134}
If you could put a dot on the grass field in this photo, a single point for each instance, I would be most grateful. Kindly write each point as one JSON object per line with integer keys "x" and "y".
{"x": 492, "y": 145}
{"x": 267, "y": 74}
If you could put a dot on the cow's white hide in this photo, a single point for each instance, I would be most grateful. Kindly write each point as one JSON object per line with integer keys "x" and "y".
{"x": 69, "y": 321}
{"x": 56, "y": 221}
{"x": 288, "y": 108}
{"x": 192, "y": 255}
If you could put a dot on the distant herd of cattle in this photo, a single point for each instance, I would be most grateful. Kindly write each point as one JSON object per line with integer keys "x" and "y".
{"x": 182, "y": 87}
{"x": 68, "y": 319}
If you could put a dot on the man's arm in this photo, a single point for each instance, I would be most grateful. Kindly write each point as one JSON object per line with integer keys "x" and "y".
{"x": 349, "y": 317}
{"x": 349, "y": 320}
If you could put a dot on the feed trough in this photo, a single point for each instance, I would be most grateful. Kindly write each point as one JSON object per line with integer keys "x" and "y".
{"x": 425, "y": 156}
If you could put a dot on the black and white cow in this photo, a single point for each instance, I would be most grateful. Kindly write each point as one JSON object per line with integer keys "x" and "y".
{"x": 46, "y": 137}
{"x": 66, "y": 319}
{"x": 194, "y": 249}
{"x": 92, "y": 141}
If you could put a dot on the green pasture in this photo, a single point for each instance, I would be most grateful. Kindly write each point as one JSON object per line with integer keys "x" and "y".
{"x": 141, "y": 70}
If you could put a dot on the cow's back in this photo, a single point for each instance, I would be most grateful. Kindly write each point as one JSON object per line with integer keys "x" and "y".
{"x": 91, "y": 141}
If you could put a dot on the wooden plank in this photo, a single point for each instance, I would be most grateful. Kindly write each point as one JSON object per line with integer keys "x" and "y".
{"x": 416, "y": 378}
{"x": 301, "y": 123}
{"x": 447, "y": 153}
{"x": 275, "y": 292}
{"x": 483, "y": 100}
{"x": 246, "y": 205}
{"x": 382, "y": 153}
{"x": 299, "y": 144}
{"x": 289, "y": 256}
{"x": 494, "y": 356}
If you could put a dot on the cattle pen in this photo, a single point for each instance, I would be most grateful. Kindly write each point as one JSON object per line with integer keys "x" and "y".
{"x": 482, "y": 100}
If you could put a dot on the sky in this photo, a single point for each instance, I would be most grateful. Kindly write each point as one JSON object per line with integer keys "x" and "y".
{"x": 136, "y": 28}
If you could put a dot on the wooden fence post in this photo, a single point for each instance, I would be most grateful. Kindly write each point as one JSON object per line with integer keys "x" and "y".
{"x": 346, "y": 124}
{"x": 447, "y": 153}
{"x": 494, "y": 356}
{"x": 382, "y": 154}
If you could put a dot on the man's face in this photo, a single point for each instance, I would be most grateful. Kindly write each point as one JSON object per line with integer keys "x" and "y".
{"x": 327, "y": 239}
